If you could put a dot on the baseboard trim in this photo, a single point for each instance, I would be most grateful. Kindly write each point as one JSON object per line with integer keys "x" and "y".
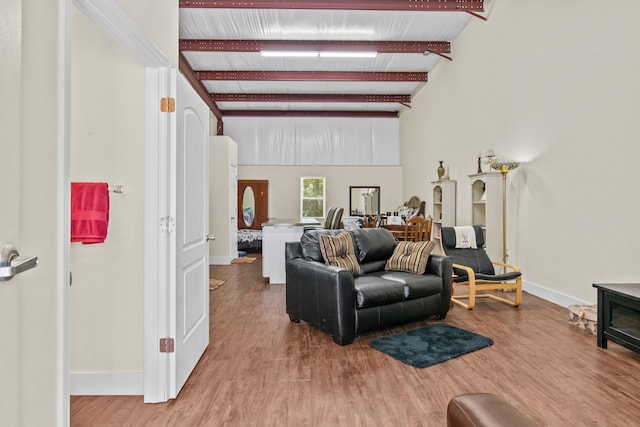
{"x": 219, "y": 260}
{"x": 552, "y": 296}
{"x": 106, "y": 383}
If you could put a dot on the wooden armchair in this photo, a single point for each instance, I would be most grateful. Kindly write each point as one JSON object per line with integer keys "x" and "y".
{"x": 417, "y": 229}
{"x": 475, "y": 269}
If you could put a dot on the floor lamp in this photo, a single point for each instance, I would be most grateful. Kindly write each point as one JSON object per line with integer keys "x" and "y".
{"x": 504, "y": 168}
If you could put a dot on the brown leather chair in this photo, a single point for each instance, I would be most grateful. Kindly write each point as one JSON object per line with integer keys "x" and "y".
{"x": 484, "y": 410}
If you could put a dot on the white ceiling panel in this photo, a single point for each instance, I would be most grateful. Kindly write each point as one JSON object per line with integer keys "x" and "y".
{"x": 279, "y": 24}
{"x": 364, "y": 88}
{"x": 224, "y": 61}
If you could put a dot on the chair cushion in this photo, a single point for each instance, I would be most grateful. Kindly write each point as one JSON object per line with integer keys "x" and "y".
{"x": 411, "y": 257}
{"x": 339, "y": 251}
{"x": 477, "y": 259}
{"x": 310, "y": 243}
{"x": 373, "y": 244}
{"x": 510, "y": 275}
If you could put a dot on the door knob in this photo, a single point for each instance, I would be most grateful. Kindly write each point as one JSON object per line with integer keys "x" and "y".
{"x": 211, "y": 237}
{"x": 11, "y": 263}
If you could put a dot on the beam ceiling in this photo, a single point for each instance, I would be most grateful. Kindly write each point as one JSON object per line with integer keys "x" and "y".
{"x": 397, "y": 5}
{"x": 220, "y": 42}
{"x": 307, "y": 97}
{"x": 334, "y": 76}
{"x": 308, "y": 113}
{"x": 288, "y": 45}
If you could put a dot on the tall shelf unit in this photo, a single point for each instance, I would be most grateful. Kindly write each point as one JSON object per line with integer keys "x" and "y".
{"x": 486, "y": 210}
{"x": 223, "y": 203}
{"x": 444, "y": 206}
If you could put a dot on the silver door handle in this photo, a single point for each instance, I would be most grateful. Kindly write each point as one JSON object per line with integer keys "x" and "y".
{"x": 11, "y": 263}
{"x": 211, "y": 237}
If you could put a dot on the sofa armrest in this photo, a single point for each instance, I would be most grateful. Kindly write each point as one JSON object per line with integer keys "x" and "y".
{"x": 442, "y": 266}
{"x": 322, "y": 296}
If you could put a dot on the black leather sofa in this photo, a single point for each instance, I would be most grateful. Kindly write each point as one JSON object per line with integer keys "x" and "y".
{"x": 343, "y": 306}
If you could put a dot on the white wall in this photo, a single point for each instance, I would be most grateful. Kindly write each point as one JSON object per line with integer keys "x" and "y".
{"x": 554, "y": 84}
{"x": 107, "y": 144}
{"x": 284, "y": 185}
{"x": 159, "y": 20}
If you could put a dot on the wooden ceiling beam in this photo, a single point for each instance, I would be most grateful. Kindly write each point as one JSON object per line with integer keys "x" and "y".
{"x": 319, "y": 46}
{"x": 389, "y": 5}
{"x": 335, "y": 76}
{"x": 307, "y": 97}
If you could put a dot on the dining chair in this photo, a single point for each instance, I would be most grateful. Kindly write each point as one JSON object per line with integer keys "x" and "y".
{"x": 417, "y": 229}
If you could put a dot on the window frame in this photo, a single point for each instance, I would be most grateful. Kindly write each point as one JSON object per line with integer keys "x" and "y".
{"x": 323, "y": 198}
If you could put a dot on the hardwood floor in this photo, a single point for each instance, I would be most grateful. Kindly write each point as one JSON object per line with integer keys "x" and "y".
{"x": 262, "y": 370}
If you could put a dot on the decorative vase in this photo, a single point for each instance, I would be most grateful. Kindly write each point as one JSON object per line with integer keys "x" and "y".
{"x": 479, "y": 164}
{"x": 440, "y": 170}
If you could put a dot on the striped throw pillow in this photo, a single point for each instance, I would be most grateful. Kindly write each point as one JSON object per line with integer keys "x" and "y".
{"x": 339, "y": 251}
{"x": 411, "y": 257}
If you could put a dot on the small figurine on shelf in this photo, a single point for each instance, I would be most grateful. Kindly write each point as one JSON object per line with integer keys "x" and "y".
{"x": 480, "y": 163}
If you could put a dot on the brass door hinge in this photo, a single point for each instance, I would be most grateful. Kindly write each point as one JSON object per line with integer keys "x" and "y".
{"x": 167, "y": 105}
{"x": 166, "y": 345}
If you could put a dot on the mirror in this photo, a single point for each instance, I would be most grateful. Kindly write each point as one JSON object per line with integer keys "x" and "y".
{"x": 364, "y": 200}
{"x": 248, "y": 206}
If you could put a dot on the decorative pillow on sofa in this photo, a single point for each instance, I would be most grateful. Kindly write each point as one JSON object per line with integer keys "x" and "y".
{"x": 411, "y": 257}
{"x": 339, "y": 251}
{"x": 310, "y": 243}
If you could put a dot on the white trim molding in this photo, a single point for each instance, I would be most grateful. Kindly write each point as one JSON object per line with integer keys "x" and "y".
{"x": 552, "y": 296}
{"x": 114, "y": 21}
{"x": 106, "y": 383}
{"x": 220, "y": 260}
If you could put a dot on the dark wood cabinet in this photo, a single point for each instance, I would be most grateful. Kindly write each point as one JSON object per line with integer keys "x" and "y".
{"x": 619, "y": 315}
{"x": 253, "y": 203}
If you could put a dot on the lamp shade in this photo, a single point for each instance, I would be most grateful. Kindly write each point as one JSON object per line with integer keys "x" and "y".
{"x": 504, "y": 167}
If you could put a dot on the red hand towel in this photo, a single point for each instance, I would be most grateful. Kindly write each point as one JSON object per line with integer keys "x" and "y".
{"x": 89, "y": 211}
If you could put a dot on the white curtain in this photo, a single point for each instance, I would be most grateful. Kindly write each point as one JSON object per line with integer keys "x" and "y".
{"x": 315, "y": 141}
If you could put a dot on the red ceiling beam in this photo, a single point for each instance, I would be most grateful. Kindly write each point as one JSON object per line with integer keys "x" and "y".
{"x": 319, "y": 46}
{"x": 335, "y": 76}
{"x": 398, "y": 5}
{"x": 307, "y": 97}
{"x": 308, "y": 113}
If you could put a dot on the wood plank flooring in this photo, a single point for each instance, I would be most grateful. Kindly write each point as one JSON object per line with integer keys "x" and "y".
{"x": 262, "y": 370}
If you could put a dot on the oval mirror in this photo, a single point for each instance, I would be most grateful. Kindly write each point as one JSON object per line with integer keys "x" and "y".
{"x": 248, "y": 206}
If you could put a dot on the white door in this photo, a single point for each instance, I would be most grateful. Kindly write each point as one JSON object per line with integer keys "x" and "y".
{"x": 10, "y": 220}
{"x": 192, "y": 227}
{"x": 32, "y": 213}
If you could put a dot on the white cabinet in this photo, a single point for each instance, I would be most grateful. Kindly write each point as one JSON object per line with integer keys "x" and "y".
{"x": 487, "y": 210}
{"x": 223, "y": 200}
{"x": 444, "y": 205}
{"x": 275, "y": 235}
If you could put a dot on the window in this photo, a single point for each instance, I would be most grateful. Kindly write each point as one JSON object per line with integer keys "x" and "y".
{"x": 312, "y": 194}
